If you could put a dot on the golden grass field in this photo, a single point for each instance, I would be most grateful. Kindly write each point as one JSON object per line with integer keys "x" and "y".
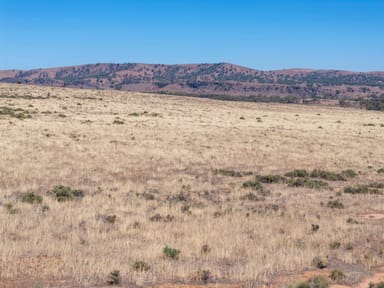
{"x": 151, "y": 182}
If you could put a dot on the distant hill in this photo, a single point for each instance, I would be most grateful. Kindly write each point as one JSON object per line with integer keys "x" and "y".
{"x": 222, "y": 80}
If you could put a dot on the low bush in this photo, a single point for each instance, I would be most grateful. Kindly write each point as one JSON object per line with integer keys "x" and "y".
{"x": 348, "y": 173}
{"x": 269, "y": 179}
{"x": 308, "y": 183}
{"x": 64, "y": 193}
{"x": 373, "y": 188}
{"x": 171, "y": 253}
{"x": 335, "y": 204}
{"x": 327, "y": 175}
{"x": 32, "y": 198}
{"x": 297, "y": 173}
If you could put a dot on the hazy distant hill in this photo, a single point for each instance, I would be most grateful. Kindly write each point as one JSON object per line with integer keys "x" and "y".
{"x": 209, "y": 80}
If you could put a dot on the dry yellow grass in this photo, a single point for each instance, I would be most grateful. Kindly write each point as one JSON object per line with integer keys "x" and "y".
{"x": 170, "y": 146}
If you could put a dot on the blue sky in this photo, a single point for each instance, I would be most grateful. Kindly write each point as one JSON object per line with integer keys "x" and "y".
{"x": 265, "y": 35}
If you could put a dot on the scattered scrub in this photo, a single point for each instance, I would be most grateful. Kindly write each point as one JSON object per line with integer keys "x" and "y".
{"x": 373, "y": 188}
{"x": 327, "y": 175}
{"x": 64, "y": 193}
{"x": 32, "y": 198}
{"x": 308, "y": 183}
{"x": 18, "y": 113}
{"x": 269, "y": 179}
{"x": 301, "y": 173}
{"x": 335, "y": 204}
{"x": 231, "y": 173}
{"x": 171, "y": 253}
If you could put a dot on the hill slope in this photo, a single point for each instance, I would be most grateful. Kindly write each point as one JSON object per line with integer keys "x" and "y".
{"x": 208, "y": 79}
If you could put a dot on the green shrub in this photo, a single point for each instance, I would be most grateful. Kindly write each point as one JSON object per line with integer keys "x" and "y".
{"x": 18, "y": 113}
{"x": 327, "y": 175}
{"x": 32, "y": 198}
{"x": 335, "y": 204}
{"x": 64, "y": 193}
{"x": 256, "y": 185}
{"x": 171, "y": 253}
{"x": 308, "y": 183}
{"x": 297, "y": 173}
{"x": 381, "y": 170}
{"x": 269, "y": 179}
{"x": 372, "y": 188}
{"x": 348, "y": 173}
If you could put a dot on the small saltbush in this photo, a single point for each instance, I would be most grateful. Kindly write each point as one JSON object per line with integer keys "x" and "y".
{"x": 171, "y": 253}
{"x": 327, "y": 175}
{"x": 32, "y": 198}
{"x": 64, "y": 193}
{"x": 269, "y": 179}
{"x": 308, "y": 183}
{"x": 335, "y": 204}
{"x": 297, "y": 173}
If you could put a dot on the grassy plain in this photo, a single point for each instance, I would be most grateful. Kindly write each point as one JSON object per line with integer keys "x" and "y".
{"x": 159, "y": 170}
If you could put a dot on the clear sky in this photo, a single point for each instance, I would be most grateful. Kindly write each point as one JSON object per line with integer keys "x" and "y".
{"x": 274, "y": 34}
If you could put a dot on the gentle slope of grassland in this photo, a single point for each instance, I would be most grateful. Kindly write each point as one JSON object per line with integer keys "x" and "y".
{"x": 153, "y": 172}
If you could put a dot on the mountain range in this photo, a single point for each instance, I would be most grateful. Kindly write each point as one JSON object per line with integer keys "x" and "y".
{"x": 221, "y": 80}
